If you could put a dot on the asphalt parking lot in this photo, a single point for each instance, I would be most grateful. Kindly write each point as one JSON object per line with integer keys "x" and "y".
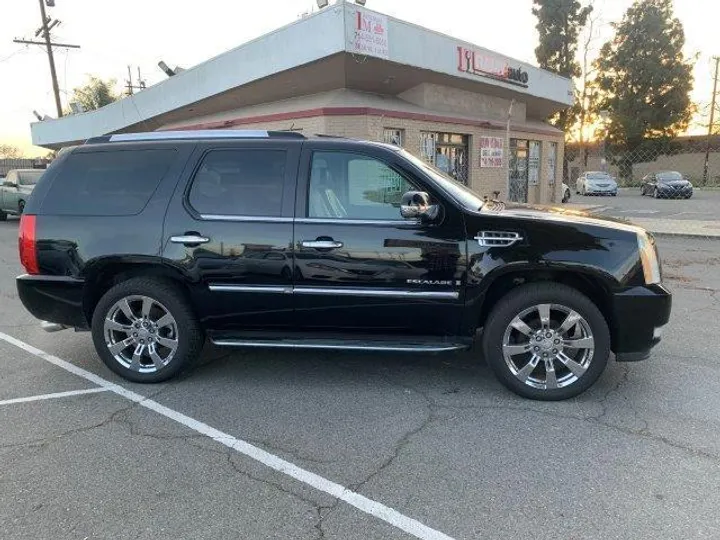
{"x": 248, "y": 444}
{"x": 703, "y": 205}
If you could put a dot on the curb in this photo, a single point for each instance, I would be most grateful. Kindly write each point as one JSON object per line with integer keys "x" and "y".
{"x": 684, "y": 235}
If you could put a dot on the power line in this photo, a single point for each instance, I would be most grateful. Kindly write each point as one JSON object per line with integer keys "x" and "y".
{"x": 44, "y": 31}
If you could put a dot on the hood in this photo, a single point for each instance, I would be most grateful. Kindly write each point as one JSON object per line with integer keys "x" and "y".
{"x": 602, "y": 180}
{"x": 675, "y": 183}
{"x": 557, "y": 214}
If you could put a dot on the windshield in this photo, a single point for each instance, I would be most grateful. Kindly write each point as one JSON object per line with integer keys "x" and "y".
{"x": 669, "y": 176}
{"x": 598, "y": 176}
{"x": 460, "y": 192}
{"x": 29, "y": 178}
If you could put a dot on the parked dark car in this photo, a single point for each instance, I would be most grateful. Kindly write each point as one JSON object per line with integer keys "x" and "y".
{"x": 267, "y": 239}
{"x": 667, "y": 185}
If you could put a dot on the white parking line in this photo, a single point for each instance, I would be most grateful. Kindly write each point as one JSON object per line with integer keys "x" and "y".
{"x": 362, "y": 503}
{"x": 53, "y": 396}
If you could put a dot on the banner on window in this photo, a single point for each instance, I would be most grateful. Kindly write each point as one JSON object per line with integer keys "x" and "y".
{"x": 491, "y": 151}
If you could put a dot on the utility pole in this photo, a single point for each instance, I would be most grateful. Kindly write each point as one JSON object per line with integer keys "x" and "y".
{"x": 51, "y": 58}
{"x": 712, "y": 122}
{"x": 45, "y": 31}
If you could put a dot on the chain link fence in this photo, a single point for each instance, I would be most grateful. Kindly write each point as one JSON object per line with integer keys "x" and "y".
{"x": 670, "y": 187}
{"x": 8, "y": 164}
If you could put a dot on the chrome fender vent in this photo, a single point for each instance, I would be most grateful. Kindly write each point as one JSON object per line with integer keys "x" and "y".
{"x": 497, "y": 238}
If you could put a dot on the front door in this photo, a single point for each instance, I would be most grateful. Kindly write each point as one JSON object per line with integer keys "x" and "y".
{"x": 230, "y": 233}
{"x": 518, "y": 180}
{"x": 360, "y": 268}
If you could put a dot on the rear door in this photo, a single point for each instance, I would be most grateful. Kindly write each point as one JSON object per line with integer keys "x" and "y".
{"x": 360, "y": 268}
{"x": 229, "y": 231}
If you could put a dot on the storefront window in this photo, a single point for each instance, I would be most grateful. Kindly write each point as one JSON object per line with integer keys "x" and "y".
{"x": 448, "y": 152}
{"x": 394, "y": 136}
{"x": 552, "y": 162}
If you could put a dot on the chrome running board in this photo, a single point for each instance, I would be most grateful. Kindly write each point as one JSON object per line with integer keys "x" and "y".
{"x": 344, "y": 345}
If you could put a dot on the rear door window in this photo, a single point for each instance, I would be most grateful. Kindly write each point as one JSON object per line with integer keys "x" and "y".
{"x": 110, "y": 183}
{"x": 246, "y": 182}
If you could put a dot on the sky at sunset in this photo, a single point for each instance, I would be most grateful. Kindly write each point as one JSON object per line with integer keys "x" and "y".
{"x": 114, "y": 34}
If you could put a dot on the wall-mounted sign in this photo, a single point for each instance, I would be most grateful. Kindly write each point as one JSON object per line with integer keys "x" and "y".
{"x": 369, "y": 34}
{"x": 483, "y": 64}
{"x": 491, "y": 151}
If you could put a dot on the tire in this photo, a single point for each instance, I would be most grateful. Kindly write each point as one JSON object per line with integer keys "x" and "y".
{"x": 21, "y": 207}
{"x": 564, "y": 301}
{"x": 3, "y": 216}
{"x": 165, "y": 299}
{"x": 566, "y": 196}
{"x": 655, "y": 193}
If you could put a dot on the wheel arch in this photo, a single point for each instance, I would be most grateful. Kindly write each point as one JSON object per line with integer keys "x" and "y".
{"x": 595, "y": 285}
{"x": 104, "y": 275}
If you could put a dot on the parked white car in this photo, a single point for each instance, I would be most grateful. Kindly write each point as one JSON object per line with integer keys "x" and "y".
{"x": 596, "y": 183}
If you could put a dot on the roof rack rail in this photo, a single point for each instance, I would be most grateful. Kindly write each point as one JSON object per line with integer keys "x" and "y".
{"x": 329, "y": 136}
{"x": 196, "y": 134}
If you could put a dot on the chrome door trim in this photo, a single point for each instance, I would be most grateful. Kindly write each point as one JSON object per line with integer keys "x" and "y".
{"x": 246, "y": 219}
{"x": 378, "y": 293}
{"x": 251, "y": 289}
{"x": 340, "y": 221}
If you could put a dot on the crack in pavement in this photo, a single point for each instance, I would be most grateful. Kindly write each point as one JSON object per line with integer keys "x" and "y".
{"x": 317, "y": 507}
{"x": 47, "y": 441}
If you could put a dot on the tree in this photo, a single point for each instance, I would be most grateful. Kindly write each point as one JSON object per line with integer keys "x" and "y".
{"x": 10, "y": 151}
{"x": 95, "y": 94}
{"x": 644, "y": 81}
{"x": 559, "y": 24}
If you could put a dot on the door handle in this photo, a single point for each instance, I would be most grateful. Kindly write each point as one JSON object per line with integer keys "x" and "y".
{"x": 321, "y": 244}
{"x": 189, "y": 239}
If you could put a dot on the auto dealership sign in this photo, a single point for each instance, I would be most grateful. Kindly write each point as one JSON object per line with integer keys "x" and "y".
{"x": 483, "y": 64}
{"x": 369, "y": 34}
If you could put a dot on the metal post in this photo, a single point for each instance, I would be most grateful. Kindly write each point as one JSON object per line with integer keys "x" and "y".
{"x": 710, "y": 127}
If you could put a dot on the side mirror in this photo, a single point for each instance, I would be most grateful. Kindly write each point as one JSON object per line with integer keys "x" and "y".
{"x": 10, "y": 184}
{"x": 416, "y": 205}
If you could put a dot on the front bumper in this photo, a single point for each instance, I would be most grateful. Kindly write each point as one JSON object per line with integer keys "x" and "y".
{"x": 675, "y": 193}
{"x": 601, "y": 191}
{"x": 638, "y": 314}
{"x": 56, "y": 299}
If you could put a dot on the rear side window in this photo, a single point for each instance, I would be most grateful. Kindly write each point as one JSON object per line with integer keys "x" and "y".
{"x": 116, "y": 183}
{"x": 240, "y": 183}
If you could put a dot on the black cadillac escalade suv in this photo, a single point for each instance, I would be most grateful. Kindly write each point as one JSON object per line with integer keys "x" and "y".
{"x": 155, "y": 241}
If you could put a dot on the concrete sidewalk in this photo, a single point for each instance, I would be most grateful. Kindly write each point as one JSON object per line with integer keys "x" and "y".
{"x": 662, "y": 226}
{"x": 677, "y": 227}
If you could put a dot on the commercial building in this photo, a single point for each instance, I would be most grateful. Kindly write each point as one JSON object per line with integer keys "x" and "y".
{"x": 350, "y": 71}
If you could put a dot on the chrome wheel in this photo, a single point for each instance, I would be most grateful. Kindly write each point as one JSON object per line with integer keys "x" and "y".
{"x": 548, "y": 346}
{"x": 141, "y": 334}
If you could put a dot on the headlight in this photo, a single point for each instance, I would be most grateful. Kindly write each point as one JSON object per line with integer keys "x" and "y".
{"x": 649, "y": 258}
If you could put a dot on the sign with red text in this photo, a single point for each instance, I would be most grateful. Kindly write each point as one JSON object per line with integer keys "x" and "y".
{"x": 369, "y": 34}
{"x": 484, "y": 64}
{"x": 491, "y": 152}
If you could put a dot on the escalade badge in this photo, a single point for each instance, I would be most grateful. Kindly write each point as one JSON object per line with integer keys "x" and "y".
{"x": 448, "y": 282}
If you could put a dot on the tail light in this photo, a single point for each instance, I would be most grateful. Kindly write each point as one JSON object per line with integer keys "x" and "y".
{"x": 27, "y": 244}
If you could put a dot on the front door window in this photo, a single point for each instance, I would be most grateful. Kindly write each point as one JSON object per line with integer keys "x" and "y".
{"x": 351, "y": 186}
